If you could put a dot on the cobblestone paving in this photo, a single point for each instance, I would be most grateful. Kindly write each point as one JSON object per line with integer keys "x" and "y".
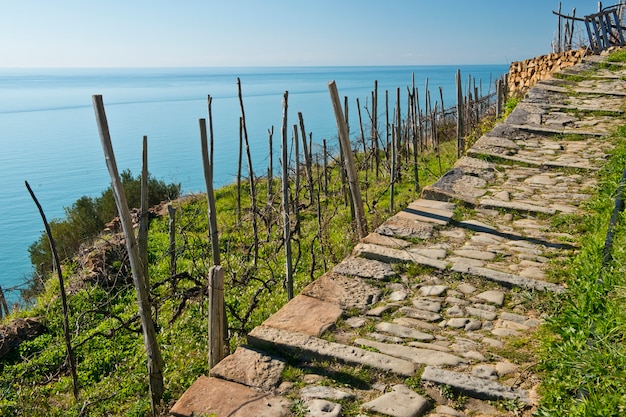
{"x": 428, "y": 315}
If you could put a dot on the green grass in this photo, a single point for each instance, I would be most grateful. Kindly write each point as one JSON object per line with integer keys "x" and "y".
{"x": 583, "y": 350}
{"x": 35, "y": 381}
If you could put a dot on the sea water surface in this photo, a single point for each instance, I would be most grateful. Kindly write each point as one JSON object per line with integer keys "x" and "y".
{"x": 49, "y": 136}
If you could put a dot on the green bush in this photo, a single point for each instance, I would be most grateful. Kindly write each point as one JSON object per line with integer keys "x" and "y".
{"x": 86, "y": 218}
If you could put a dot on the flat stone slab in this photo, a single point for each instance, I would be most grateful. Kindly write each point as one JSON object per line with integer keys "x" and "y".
{"x": 390, "y": 255}
{"x": 405, "y": 226}
{"x": 474, "y": 387}
{"x": 216, "y": 396}
{"x": 403, "y": 331}
{"x": 383, "y": 240}
{"x": 421, "y": 214}
{"x": 307, "y": 347}
{"x": 413, "y": 354}
{"x": 506, "y": 279}
{"x": 324, "y": 392}
{"x": 306, "y": 315}
{"x": 402, "y": 401}
{"x": 467, "y": 181}
{"x": 365, "y": 268}
{"x": 345, "y": 292}
{"x": 250, "y": 367}
{"x": 322, "y": 408}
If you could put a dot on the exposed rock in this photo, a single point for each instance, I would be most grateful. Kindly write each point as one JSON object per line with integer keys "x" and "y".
{"x": 400, "y": 402}
{"x": 250, "y": 367}
{"x": 18, "y": 331}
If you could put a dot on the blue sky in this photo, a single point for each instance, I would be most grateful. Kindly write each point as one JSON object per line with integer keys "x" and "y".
{"x": 142, "y": 33}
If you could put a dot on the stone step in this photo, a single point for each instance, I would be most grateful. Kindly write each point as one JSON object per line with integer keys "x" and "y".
{"x": 557, "y": 131}
{"x": 475, "y": 387}
{"x": 214, "y": 396}
{"x": 365, "y": 268}
{"x": 304, "y": 347}
{"x": 390, "y": 255}
{"x": 506, "y": 279}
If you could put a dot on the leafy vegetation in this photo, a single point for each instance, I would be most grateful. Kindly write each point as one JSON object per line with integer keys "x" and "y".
{"x": 583, "y": 349}
{"x": 86, "y": 218}
{"x": 107, "y": 343}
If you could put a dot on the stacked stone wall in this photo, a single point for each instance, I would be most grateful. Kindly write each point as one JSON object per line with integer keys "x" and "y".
{"x": 525, "y": 74}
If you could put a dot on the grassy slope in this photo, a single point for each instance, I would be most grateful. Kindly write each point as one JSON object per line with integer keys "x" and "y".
{"x": 35, "y": 380}
{"x": 582, "y": 355}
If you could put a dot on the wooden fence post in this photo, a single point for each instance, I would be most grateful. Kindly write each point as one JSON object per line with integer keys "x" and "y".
{"x": 66, "y": 325}
{"x": 286, "y": 221}
{"x": 144, "y": 220}
{"x": 207, "y": 163}
{"x": 307, "y": 159}
{"x": 460, "y": 142}
{"x": 353, "y": 180}
{"x": 171, "y": 211}
{"x": 217, "y": 316}
{"x": 253, "y": 197}
{"x": 155, "y": 361}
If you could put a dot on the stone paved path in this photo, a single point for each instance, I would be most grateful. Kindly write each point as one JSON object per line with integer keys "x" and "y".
{"x": 430, "y": 313}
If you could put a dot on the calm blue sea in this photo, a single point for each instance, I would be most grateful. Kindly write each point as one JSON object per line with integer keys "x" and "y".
{"x": 48, "y": 133}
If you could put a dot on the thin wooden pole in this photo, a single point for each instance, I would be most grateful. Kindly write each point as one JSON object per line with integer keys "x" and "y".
{"x": 57, "y": 264}
{"x": 353, "y": 179}
{"x": 374, "y": 133}
{"x": 171, "y": 211}
{"x": 239, "y": 171}
{"x": 325, "y": 162}
{"x": 155, "y": 361}
{"x": 460, "y": 143}
{"x": 252, "y": 180}
{"x": 217, "y": 316}
{"x": 270, "y": 168}
{"x": 207, "y": 163}
{"x": 296, "y": 182}
{"x": 307, "y": 159}
{"x": 144, "y": 220}
{"x": 286, "y": 221}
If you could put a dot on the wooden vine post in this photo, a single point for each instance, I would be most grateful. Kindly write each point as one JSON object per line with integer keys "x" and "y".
{"x": 217, "y": 320}
{"x": 171, "y": 211}
{"x": 286, "y": 221}
{"x": 144, "y": 220}
{"x": 217, "y": 316}
{"x": 207, "y": 163}
{"x": 353, "y": 180}
{"x": 66, "y": 325}
{"x": 459, "y": 116}
{"x": 155, "y": 361}
{"x": 253, "y": 197}
{"x": 307, "y": 159}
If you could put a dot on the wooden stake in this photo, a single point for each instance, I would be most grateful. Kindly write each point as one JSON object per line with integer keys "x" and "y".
{"x": 171, "y": 211}
{"x": 255, "y": 229}
{"x": 207, "y": 163}
{"x": 144, "y": 220}
{"x": 217, "y": 316}
{"x": 353, "y": 179}
{"x": 66, "y": 325}
{"x": 155, "y": 361}
{"x": 307, "y": 159}
{"x": 460, "y": 142}
{"x": 286, "y": 221}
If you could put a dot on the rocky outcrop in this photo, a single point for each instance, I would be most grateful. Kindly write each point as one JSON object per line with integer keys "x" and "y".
{"x": 17, "y": 331}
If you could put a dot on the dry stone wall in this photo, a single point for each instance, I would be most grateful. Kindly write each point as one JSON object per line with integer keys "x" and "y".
{"x": 525, "y": 74}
